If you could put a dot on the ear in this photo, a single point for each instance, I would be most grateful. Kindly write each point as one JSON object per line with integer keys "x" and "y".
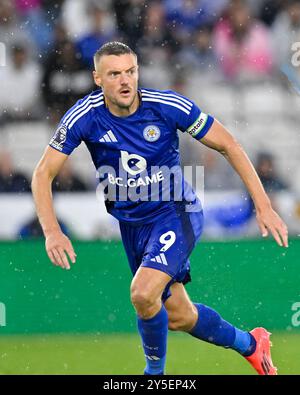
{"x": 97, "y": 79}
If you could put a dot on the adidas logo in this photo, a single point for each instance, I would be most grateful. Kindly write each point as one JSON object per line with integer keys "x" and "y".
{"x": 152, "y": 357}
{"x": 160, "y": 259}
{"x": 109, "y": 137}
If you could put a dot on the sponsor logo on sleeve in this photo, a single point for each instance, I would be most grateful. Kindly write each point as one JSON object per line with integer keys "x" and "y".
{"x": 59, "y": 137}
{"x": 198, "y": 125}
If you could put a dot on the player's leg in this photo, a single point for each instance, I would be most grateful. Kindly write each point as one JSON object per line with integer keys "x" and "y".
{"x": 147, "y": 288}
{"x": 163, "y": 262}
{"x": 205, "y": 323}
{"x": 182, "y": 313}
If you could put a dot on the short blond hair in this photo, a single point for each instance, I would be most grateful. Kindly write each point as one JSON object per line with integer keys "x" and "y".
{"x": 112, "y": 48}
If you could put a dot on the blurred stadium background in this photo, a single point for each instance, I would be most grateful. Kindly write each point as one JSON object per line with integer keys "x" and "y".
{"x": 235, "y": 60}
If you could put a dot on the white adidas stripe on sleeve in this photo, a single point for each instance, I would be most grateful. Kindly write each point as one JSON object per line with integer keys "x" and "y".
{"x": 172, "y": 99}
{"x": 166, "y": 102}
{"x": 82, "y": 105}
{"x": 79, "y": 110}
{"x": 168, "y": 95}
{"x": 84, "y": 112}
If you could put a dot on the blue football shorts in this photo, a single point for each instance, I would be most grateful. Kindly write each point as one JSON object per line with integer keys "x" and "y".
{"x": 164, "y": 245}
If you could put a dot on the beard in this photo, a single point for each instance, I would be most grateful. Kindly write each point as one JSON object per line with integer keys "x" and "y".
{"x": 124, "y": 105}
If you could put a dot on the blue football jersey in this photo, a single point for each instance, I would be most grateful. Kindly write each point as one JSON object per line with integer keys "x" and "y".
{"x": 137, "y": 157}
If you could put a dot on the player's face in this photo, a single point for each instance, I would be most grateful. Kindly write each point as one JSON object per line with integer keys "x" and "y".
{"x": 118, "y": 77}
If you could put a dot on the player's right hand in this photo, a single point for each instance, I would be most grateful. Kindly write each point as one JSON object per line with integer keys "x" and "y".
{"x": 59, "y": 247}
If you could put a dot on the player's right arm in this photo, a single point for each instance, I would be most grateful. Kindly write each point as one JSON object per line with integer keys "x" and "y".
{"x": 58, "y": 245}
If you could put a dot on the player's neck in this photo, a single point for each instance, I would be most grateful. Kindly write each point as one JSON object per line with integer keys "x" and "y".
{"x": 123, "y": 111}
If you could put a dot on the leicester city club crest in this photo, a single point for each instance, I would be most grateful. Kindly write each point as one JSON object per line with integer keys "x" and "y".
{"x": 151, "y": 133}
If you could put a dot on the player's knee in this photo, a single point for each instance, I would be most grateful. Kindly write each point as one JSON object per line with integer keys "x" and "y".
{"x": 141, "y": 298}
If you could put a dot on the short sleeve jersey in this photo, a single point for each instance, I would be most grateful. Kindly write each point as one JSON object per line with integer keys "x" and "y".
{"x": 137, "y": 157}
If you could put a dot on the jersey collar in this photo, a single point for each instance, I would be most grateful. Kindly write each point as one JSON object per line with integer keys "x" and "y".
{"x": 131, "y": 115}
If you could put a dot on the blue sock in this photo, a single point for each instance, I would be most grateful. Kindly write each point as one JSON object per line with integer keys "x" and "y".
{"x": 154, "y": 337}
{"x": 211, "y": 328}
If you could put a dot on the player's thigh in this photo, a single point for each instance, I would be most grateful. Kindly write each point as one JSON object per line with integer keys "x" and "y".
{"x": 149, "y": 284}
{"x": 171, "y": 242}
{"x": 181, "y": 310}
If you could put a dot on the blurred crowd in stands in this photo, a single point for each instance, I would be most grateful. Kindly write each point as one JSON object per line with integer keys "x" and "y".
{"x": 50, "y": 45}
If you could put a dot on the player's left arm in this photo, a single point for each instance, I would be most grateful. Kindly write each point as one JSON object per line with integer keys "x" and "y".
{"x": 219, "y": 139}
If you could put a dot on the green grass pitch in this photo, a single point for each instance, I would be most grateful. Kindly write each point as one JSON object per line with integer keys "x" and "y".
{"x": 122, "y": 354}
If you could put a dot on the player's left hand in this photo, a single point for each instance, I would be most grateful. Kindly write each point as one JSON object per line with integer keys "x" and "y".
{"x": 269, "y": 221}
